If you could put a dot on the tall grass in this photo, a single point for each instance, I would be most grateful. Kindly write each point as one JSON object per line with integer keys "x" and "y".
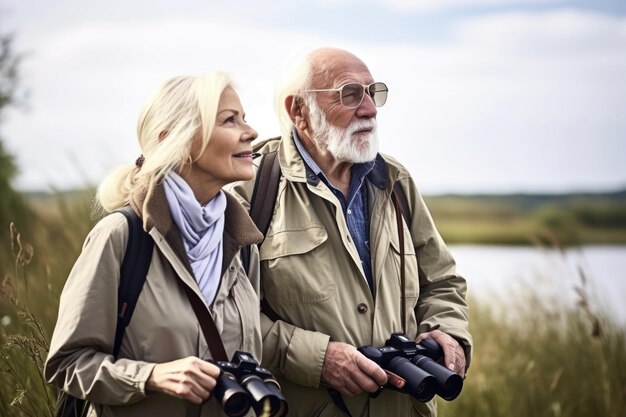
{"x": 533, "y": 356}
{"x": 33, "y": 269}
{"x": 538, "y": 356}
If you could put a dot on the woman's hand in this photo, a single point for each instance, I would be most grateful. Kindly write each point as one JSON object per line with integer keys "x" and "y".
{"x": 190, "y": 379}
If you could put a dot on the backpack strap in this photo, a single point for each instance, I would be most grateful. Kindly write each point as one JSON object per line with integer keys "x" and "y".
{"x": 261, "y": 210}
{"x": 266, "y": 185}
{"x": 133, "y": 272}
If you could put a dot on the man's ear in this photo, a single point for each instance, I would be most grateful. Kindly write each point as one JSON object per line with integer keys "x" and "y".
{"x": 293, "y": 107}
{"x": 298, "y": 112}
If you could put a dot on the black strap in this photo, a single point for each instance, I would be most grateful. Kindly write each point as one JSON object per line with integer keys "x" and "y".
{"x": 133, "y": 272}
{"x": 261, "y": 209}
{"x": 398, "y": 208}
{"x": 266, "y": 185}
{"x": 339, "y": 401}
{"x": 209, "y": 329}
{"x": 404, "y": 203}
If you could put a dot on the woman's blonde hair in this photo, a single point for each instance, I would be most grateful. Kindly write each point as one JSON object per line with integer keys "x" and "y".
{"x": 179, "y": 111}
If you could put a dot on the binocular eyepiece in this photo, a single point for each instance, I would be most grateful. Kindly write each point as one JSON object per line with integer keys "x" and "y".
{"x": 417, "y": 365}
{"x": 244, "y": 384}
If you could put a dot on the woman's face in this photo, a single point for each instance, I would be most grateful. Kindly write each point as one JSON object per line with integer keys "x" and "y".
{"x": 228, "y": 156}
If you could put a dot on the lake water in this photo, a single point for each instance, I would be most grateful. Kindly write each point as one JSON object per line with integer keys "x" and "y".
{"x": 503, "y": 272}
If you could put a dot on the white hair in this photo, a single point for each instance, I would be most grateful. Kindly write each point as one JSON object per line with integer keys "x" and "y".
{"x": 296, "y": 79}
{"x": 180, "y": 110}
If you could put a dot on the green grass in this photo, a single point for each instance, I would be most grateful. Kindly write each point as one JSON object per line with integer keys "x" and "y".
{"x": 532, "y": 357}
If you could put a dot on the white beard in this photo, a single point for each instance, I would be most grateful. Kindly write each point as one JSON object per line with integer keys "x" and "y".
{"x": 339, "y": 141}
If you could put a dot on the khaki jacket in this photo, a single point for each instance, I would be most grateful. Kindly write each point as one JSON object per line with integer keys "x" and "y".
{"x": 313, "y": 279}
{"x": 163, "y": 327}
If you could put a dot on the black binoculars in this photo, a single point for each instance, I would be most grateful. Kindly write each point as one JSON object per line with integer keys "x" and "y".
{"x": 417, "y": 365}
{"x": 244, "y": 384}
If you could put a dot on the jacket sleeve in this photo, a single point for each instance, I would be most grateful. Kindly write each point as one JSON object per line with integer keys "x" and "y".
{"x": 441, "y": 304}
{"x": 79, "y": 360}
{"x": 284, "y": 346}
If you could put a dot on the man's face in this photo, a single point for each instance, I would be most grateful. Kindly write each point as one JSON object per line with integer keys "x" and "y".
{"x": 348, "y": 134}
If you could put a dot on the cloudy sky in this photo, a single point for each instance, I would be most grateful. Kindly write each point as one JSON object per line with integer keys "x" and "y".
{"x": 485, "y": 95}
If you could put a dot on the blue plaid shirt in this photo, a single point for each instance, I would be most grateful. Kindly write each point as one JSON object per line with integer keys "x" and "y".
{"x": 354, "y": 207}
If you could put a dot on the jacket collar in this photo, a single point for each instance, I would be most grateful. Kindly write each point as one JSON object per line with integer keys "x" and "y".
{"x": 239, "y": 229}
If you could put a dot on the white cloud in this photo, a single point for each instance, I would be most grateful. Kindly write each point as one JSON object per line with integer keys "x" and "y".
{"x": 435, "y": 5}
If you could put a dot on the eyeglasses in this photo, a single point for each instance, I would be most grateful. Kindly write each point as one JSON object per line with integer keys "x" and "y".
{"x": 351, "y": 94}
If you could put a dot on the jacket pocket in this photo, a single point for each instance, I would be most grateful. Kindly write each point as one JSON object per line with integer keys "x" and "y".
{"x": 295, "y": 266}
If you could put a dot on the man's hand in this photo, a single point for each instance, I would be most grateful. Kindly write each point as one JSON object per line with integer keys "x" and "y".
{"x": 190, "y": 379}
{"x": 454, "y": 356}
{"x": 349, "y": 372}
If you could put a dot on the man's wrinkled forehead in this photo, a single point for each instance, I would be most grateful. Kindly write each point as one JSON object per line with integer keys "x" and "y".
{"x": 333, "y": 71}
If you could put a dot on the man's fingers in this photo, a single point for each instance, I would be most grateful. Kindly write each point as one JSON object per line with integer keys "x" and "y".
{"x": 353, "y": 387}
{"x": 364, "y": 382}
{"x": 460, "y": 360}
{"x": 372, "y": 370}
{"x": 454, "y": 356}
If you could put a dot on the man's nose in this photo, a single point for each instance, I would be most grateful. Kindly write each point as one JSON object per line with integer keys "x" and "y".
{"x": 367, "y": 108}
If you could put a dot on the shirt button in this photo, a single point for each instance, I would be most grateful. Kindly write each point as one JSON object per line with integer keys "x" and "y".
{"x": 349, "y": 211}
{"x": 362, "y": 308}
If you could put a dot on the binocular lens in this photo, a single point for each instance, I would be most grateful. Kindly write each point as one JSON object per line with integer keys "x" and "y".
{"x": 264, "y": 396}
{"x": 280, "y": 403}
{"x": 419, "y": 383}
{"x": 234, "y": 400}
{"x": 448, "y": 384}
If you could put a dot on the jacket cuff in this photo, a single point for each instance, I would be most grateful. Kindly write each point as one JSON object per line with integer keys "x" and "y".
{"x": 305, "y": 357}
{"x": 142, "y": 378}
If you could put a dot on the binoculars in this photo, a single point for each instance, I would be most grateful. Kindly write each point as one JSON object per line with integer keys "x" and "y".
{"x": 417, "y": 365}
{"x": 244, "y": 384}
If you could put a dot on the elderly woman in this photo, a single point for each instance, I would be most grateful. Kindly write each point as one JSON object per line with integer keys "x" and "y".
{"x": 194, "y": 140}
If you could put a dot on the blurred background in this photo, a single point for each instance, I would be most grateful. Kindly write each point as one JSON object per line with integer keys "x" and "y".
{"x": 509, "y": 114}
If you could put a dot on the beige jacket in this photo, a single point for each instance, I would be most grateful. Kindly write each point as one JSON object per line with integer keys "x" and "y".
{"x": 163, "y": 327}
{"x": 313, "y": 279}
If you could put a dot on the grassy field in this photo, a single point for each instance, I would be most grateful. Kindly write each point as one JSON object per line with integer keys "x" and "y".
{"x": 538, "y": 358}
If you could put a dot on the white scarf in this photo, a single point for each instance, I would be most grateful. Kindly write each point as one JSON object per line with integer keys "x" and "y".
{"x": 202, "y": 229}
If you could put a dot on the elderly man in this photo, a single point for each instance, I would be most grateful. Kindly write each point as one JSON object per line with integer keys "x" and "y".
{"x": 332, "y": 259}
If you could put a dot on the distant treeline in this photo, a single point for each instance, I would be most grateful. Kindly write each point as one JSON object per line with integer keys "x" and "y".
{"x": 569, "y": 219}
